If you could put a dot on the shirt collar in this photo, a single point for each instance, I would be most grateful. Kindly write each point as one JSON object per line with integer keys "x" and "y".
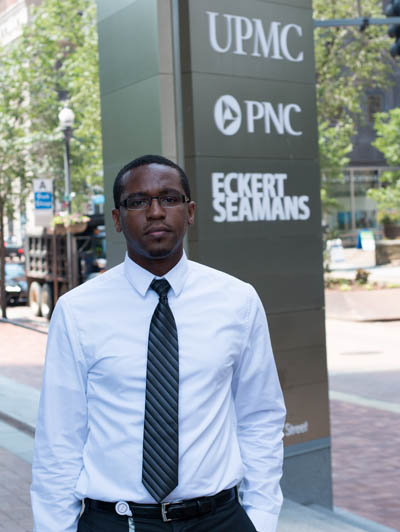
{"x": 140, "y": 278}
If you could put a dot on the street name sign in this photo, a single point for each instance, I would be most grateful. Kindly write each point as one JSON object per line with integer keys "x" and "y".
{"x": 43, "y": 201}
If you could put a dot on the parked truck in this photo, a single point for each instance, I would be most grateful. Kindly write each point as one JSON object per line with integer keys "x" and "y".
{"x": 46, "y": 263}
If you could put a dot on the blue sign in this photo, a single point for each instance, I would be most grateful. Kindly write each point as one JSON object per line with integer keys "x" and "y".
{"x": 43, "y": 200}
{"x": 98, "y": 199}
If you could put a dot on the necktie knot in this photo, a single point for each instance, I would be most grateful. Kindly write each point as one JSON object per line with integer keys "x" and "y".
{"x": 161, "y": 286}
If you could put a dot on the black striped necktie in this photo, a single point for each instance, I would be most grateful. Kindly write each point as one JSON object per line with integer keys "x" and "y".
{"x": 160, "y": 436}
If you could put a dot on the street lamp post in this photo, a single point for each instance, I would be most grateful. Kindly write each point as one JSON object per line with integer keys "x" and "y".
{"x": 66, "y": 118}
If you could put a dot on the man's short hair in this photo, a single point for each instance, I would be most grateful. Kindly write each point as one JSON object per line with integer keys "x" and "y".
{"x": 141, "y": 161}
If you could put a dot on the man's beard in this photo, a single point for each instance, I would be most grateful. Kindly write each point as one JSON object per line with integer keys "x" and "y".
{"x": 159, "y": 253}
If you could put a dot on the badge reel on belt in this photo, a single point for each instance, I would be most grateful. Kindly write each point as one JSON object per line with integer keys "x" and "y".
{"x": 123, "y": 508}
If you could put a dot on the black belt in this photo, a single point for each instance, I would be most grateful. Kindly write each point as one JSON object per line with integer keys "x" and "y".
{"x": 167, "y": 511}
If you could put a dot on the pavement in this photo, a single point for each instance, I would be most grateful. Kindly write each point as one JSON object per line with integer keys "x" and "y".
{"x": 21, "y": 361}
{"x": 363, "y": 357}
{"x": 364, "y": 304}
{"x": 364, "y": 375}
{"x": 364, "y": 372}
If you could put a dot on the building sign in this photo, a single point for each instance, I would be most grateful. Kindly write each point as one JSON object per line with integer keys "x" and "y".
{"x": 248, "y": 36}
{"x": 251, "y": 146}
{"x": 43, "y": 201}
{"x": 228, "y": 116}
{"x": 239, "y": 197}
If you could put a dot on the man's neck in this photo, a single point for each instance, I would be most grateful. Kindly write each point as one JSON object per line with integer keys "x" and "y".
{"x": 157, "y": 266}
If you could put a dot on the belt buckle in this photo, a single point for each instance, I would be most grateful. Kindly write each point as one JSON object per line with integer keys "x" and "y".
{"x": 164, "y": 509}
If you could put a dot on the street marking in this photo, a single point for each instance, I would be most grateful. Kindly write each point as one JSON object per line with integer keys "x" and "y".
{"x": 363, "y": 401}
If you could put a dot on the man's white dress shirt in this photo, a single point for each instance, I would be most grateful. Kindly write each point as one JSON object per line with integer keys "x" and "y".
{"x": 90, "y": 427}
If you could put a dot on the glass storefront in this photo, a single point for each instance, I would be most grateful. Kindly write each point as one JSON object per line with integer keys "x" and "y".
{"x": 355, "y": 210}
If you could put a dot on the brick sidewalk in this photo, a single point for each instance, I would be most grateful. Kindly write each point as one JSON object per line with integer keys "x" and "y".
{"x": 21, "y": 359}
{"x": 22, "y": 353}
{"x": 366, "y": 462}
{"x": 15, "y": 505}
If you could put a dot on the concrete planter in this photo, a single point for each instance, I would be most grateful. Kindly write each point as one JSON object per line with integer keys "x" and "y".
{"x": 387, "y": 251}
{"x": 391, "y": 230}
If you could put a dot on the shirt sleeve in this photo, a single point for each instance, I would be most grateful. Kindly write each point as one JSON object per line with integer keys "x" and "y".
{"x": 260, "y": 412}
{"x": 61, "y": 429}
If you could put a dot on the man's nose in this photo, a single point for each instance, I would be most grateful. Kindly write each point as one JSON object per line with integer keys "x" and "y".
{"x": 155, "y": 210}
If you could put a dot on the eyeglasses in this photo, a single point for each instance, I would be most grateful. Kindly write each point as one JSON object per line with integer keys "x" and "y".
{"x": 140, "y": 203}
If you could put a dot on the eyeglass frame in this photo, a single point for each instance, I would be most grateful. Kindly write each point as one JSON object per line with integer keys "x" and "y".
{"x": 149, "y": 200}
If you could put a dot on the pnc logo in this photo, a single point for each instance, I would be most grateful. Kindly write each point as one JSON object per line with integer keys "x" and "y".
{"x": 261, "y": 115}
{"x": 227, "y": 115}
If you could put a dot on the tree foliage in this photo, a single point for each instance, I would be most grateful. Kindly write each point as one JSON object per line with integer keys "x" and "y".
{"x": 59, "y": 54}
{"x": 54, "y": 61}
{"x": 387, "y": 126}
{"x": 14, "y": 149}
{"x": 348, "y": 63}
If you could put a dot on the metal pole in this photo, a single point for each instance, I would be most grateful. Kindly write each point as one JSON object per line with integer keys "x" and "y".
{"x": 54, "y": 266}
{"x": 180, "y": 145}
{"x": 177, "y": 84}
{"x": 67, "y": 136}
{"x": 352, "y": 200}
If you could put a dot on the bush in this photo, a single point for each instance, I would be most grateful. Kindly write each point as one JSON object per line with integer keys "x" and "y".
{"x": 362, "y": 276}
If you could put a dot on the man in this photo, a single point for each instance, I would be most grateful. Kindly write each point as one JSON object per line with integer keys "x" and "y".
{"x": 160, "y": 392}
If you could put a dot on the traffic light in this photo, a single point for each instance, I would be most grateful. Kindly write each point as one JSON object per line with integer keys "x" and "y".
{"x": 393, "y": 10}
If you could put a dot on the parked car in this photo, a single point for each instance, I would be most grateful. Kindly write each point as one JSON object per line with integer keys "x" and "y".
{"x": 14, "y": 250}
{"x": 16, "y": 283}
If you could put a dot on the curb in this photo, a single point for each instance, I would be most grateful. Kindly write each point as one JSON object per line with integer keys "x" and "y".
{"x": 18, "y": 324}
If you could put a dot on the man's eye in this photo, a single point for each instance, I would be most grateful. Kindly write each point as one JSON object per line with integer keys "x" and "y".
{"x": 170, "y": 200}
{"x": 137, "y": 203}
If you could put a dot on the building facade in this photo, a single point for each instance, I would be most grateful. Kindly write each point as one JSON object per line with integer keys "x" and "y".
{"x": 355, "y": 210}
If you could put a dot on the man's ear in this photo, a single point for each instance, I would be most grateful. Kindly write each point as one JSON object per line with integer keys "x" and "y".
{"x": 191, "y": 211}
{"x": 117, "y": 220}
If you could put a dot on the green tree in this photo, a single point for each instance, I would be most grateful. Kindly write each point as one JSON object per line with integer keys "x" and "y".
{"x": 348, "y": 63}
{"x": 55, "y": 60}
{"x": 60, "y": 62}
{"x": 14, "y": 152}
{"x": 387, "y": 126}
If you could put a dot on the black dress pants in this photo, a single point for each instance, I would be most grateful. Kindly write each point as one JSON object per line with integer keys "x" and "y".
{"x": 229, "y": 517}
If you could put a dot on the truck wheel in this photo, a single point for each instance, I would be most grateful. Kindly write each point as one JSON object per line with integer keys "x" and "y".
{"x": 46, "y": 301}
{"x": 34, "y": 298}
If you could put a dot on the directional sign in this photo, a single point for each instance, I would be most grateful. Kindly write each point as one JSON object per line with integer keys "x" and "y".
{"x": 43, "y": 201}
